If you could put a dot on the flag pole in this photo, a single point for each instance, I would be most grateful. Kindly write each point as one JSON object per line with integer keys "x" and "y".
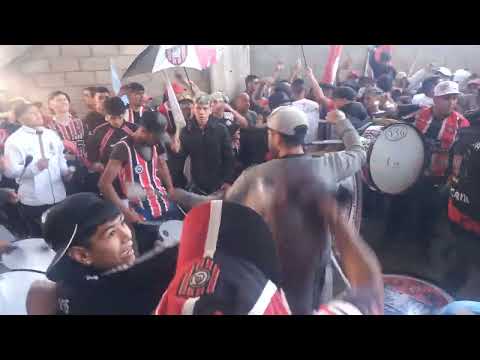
{"x": 189, "y": 83}
{"x": 304, "y": 57}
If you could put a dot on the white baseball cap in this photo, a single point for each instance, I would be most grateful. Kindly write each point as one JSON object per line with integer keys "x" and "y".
{"x": 443, "y": 70}
{"x": 285, "y": 119}
{"x": 461, "y": 75}
{"x": 446, "y": 88}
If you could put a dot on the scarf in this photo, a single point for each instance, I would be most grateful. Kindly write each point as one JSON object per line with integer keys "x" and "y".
{"x": 446, "y": 137}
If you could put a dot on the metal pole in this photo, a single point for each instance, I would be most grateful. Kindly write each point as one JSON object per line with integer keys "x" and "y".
{"x": 304, "y": 57}
{"x": 188, "y": 79}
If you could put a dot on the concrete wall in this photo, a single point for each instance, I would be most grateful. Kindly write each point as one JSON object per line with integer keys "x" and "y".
{"x": 45, "y": 68}
{"x": 264, "y": 57}
{"x": 229, "y": 73}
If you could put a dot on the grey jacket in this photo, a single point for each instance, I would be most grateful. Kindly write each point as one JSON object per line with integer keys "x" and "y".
{"x": 334, "y": 166}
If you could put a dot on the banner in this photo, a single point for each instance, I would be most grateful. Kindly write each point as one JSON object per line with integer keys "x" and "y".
{"x": 173, "y": 104}
{"x": 331, "y": 68}
{"x": 116, "y": 82}
{"x": 190, "y": 56}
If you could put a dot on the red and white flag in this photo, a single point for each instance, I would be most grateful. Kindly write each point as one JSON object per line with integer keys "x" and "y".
{"x": 331, "y": 68}
{"x": 173, "y": 104}
{"x": 191, "y": 56}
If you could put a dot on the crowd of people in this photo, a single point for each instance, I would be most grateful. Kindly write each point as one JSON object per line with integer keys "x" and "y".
{"x": 260, "y": 215}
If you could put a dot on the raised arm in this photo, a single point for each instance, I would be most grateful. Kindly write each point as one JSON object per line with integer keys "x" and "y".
{"x": 241, "y": 120}
{"x": 359, "y": 263}
{"x": 318, "y": 94}
{"x": 343, "y": 164}
{"x": 105, "y": 184}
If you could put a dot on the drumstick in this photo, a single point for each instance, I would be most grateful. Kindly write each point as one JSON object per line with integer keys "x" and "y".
{"x": 135, "y": 192}
{"x": 339, "y": 269}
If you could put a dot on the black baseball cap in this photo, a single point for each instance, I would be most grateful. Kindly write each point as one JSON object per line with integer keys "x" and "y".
{"x": 72, "y": 223}
{"x": 279, "y": 98}
{"x": 344, "y": 92}
{"x": 155, "y": 123}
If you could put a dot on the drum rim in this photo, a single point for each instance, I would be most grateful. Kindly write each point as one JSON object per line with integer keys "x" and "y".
{"x": 425, "y": 157}
{"x": 449, "y": 297}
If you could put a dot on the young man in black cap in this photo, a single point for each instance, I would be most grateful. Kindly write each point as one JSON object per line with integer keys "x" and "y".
{"x": 139, "y": 162}
{"x": 104, "y": 136}
{"x": 209, "y": 146}
{"x": 95, "y": 270}
{"x": 135, "y": 92}
{"x": 109, "y": 133}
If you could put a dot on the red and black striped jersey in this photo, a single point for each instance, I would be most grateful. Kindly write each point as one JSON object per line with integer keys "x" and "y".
{"x": 104, "y": 137}
{"x": 72, "y": 130}
{"x": 137, "y": 170}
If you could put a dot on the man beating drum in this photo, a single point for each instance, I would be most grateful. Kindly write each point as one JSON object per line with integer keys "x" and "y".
{"x": 287, "y": 127}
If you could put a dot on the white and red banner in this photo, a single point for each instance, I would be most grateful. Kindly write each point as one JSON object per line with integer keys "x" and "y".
{"x": 190, "y": 56}
{"x": 331, "y": 67}
{"x": 173, "y": 104}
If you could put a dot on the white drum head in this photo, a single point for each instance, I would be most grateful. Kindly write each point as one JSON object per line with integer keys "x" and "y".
{"x": 32, "y": 254}
{"x": 397, "y": 159}
{"x": 170, "y": 232}
{"x": 14, "y": 288}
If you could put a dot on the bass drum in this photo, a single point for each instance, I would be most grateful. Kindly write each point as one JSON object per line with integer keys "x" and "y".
{"x": 396, "y": 157}
{"x": 14, "y": 287}
{"x": 407, "y": 295}
{"x": 349, "y": 196}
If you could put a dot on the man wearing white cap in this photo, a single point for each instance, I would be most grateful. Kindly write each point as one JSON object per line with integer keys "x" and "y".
{"x": 439, "y": 124}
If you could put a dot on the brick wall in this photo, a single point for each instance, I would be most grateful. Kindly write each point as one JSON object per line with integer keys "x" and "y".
{"x": 45, "y": 68}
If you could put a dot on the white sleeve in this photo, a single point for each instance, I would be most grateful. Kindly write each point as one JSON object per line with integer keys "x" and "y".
{"x": 416, "y": 79}
{"x": 16, "y": 161}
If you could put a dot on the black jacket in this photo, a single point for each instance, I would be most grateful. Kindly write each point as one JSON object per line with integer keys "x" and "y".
{"x": 135, "y": 290}
{"x": 211, "y": 154}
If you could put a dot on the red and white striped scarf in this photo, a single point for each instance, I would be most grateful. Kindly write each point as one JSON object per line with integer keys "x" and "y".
{"x": 131, "y": 116}
{"x": 446, "y": 136}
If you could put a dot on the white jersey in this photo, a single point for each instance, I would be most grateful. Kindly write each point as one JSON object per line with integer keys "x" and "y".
{"x": 311, "y": 109}
{"x": 36, "y": 187}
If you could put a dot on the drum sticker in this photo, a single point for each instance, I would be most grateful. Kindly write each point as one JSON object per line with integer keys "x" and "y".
{"x": 138, "y": 169}
{"x": 410, "y": 296}
{"x": 398, "y": 303}
{"x": 392, "y": 163}
{"x": 201, "y": 279}
{"x": 64, "y": 305}
{"x": 396, "y": 133}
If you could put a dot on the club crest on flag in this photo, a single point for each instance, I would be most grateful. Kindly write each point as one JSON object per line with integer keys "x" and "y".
{"x": 177, "y": 54}
{"x": 138, "y": 169}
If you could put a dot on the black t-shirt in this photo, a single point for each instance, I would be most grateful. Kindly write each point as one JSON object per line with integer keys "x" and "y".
{"x": 228, "y": 121}
{"x": 92, "y": 120}
{"x": 356, "y": 113}
{"x": 434, "y": 128}
{"x": 465, "y": 192}
{"x": 101, "y": 142}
